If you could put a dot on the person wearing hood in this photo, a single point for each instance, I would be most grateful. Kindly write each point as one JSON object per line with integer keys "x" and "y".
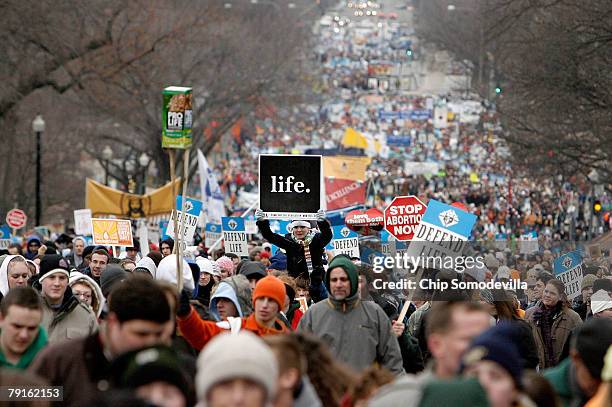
{"x": 268, "y": 299}
{"x": 33, "y": 243}
{"x": 304, "y": 248}
{"x": 357, "y": 332}
{"x": 231, "y": 299}
{"x": 14, "y": 272}
{"x": 166, "y": 246}
{"x": 64, "y": 316}
{"x": 208, "y": 278}
{"x": 166, "y": 271}
{"x": 87, "y": 291}
{"x": 146, "y": 265}
{"x": 78, "y": 247}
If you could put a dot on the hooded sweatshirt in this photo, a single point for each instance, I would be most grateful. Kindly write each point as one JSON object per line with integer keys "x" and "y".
{"x": 28, "y": 254}
{"x": 148, "y": 264}
{"x": 4, "y": 285}
{"x": 357, "y": 332}
{"x": 76, "y": 277}
{"x": 224, "y": 290}
{"x": 166, "y": 271}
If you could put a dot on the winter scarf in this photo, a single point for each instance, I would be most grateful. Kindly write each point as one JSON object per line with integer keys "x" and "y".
{"x": 544, "y": 318}
{"x": 306, "y": 243}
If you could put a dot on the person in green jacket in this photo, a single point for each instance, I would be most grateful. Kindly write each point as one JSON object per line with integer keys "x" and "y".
{"x": 357, "y": 332}
{"x": 21, "y": 335}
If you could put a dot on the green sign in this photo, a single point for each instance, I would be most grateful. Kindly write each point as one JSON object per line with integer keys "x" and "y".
{"x": 177, "y": 117}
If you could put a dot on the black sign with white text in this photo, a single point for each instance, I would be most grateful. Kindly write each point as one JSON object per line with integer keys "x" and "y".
{"x": 290, "y": 185}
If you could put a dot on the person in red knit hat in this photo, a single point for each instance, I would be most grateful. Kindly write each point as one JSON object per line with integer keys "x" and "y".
{"x": 268, "y": 299}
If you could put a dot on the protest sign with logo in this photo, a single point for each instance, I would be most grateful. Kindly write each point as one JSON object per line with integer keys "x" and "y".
{"x": 290, "y": 186}
{"x": 177, "y": 114}
{"x": 442, "y": 233}
{"x": 212, "y": 233}
{"x": 569, "y": 268}
{"x": 5, "y": 232}
{"x": 82, "y": 222}
{"x": 112, "y": 232}
{"x": 234, "y": 236}
{"x": 5, "y": 237}
{"x": 193, "y": 207}
{"x": 345, "y": 241}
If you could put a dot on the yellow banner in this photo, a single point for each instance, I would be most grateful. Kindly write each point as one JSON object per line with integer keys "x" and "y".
{"x": 103, "y": 200}
{"x": 346, "y": 167}
{"x": 353, "y": 138}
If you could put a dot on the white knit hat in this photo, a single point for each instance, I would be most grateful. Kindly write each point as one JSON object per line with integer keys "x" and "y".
{"x": 240, "y": 356}
{"x": 304, "y": 223}
{"x": 600, "y": 301}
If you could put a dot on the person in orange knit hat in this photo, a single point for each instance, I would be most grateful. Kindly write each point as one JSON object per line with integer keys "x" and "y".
{"x": 268, "y": 300}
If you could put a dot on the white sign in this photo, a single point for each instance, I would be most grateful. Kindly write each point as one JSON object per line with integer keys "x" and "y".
{"x": 212, "y": 233}
{"x": 4, "y": 244}
{"x": 191, "y": 222}
{"x": 345, "y": 242}
{"x": 82, "y": 222}
{"x": 234, "y": 236}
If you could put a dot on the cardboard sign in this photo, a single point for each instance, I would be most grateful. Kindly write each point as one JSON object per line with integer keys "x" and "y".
{"x": 82, "y": 222}
{"x": 345, "y": 241}
{"x": 177, "y": 117}
{"x": 212, "y": 233}
{"x": 112, "y": 232}
{"x": 290, "y": 186}
{"x": 193, "y": 207}
{"x": 234, "y": 236}
{"x": 442, "y": 233}
{"x": 569, "y": 268}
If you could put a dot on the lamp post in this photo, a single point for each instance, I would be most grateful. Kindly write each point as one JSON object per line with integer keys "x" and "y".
{"x": 107, "y": 154}
{"x": 144, "y": 160}
{"x": 38, "y": 125}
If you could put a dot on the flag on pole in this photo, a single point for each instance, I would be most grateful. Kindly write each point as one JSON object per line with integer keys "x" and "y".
{"x": 211, "y": 192}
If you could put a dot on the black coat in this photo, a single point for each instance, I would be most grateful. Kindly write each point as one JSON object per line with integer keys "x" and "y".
{"x": 296, "y": 260}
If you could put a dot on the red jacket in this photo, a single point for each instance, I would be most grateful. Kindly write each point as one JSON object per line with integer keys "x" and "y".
{"x": 198, "y": 331}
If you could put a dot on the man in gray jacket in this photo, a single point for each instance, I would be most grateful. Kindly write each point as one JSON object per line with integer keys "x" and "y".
{"x": 357, "y": 332}
{"x": 64, "y": 317}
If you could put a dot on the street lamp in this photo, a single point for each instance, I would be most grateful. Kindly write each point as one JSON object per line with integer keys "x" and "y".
{"x": 38, "y": 125}
{"x": 144, "y": 160}
{"x": 107, "y": 155}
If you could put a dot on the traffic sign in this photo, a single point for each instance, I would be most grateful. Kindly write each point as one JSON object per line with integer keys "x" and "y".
{"x": 403, "y": 215}
{"x": 16, "y": 218}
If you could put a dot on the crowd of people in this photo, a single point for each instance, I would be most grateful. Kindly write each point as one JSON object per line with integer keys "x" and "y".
{"x": 300, "y": 326}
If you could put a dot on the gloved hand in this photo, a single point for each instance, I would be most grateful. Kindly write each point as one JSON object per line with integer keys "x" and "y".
{"x": 184, "y": 307}
{"x": 259, "y": 215}
{"x": 320, "y": 215}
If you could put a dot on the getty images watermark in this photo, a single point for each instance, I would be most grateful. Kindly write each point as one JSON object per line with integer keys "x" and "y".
{"x": 411, "y": 268}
